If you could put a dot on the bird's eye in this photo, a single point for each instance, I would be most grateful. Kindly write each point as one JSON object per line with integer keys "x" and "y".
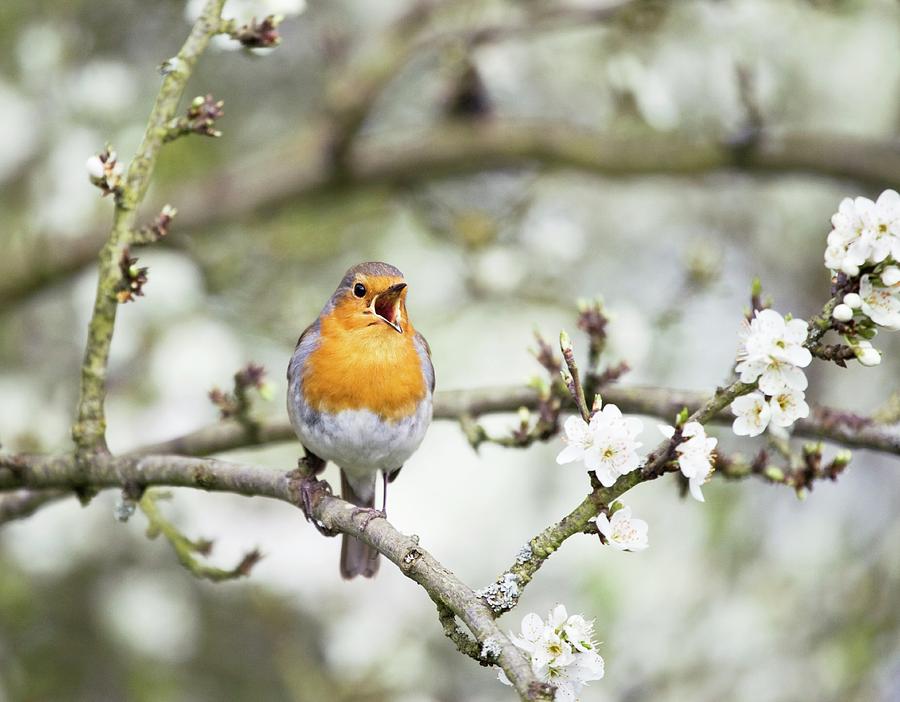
{"x": 359, "y": 290}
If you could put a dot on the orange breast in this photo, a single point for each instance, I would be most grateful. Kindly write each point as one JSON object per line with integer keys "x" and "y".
{"x": 372, "y": 368}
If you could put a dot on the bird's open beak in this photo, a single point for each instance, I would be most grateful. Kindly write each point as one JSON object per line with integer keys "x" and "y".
{"x": 386, "y": 306}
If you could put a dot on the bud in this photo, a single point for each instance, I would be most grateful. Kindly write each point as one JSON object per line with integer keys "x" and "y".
{"x": 867, "y": 354}
{"x": 842, "y": 313}
{"x": 524, "y": 415}
{"x": 890, "y": 276}
{"x": 95, "y": 168}
{"x": 266, "y": 392}
{"x": 565, "y": 343}
{"x": 853, "y": 301}
{"x": 775, "y": 474}
{"x": 851, "y": 270}
{"x": 842, "y": 458}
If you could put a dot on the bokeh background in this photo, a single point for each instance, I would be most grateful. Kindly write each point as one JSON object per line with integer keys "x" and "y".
{"x": 754, "y": 595}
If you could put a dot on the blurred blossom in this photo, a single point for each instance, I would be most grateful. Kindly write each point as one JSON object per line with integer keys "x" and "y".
{"x": 554, "y": 235}
{"x": 152, "y": 614}
{"x": 650, "y": 92}
{"x": 68, "y": 200}
{"x": 18, "y": 117}
{"x": 245, "y": 10}
{"x": 500, "y": 269}
{"x": 39, "y": 50}
{"x": 102, "y": 88}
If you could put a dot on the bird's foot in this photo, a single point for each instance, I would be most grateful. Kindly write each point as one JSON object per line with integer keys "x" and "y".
{"x": 310, "y": 491}
{"x": 369, "y": 513}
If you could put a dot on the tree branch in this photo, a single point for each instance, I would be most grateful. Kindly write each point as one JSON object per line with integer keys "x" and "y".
{"x": 301, "y": 169}
{"x": 24, "y": 503}
{"x": 447, "y": 591}
{"x": 824, "y": 423}
{"x": 89, "y": 429}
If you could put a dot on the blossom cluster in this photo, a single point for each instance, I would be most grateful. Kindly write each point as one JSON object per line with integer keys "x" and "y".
{"x": 772, "y": 354}
{"x": 864, "y": 232}
{"x": 607, "y": 443}
{"x": 696, "y": 455}
{"x": 865, "y": 242}
{"x": 562, "y": 651}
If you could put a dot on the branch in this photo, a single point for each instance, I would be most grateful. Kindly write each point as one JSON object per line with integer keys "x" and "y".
{"x": 187, "y": 549}
{"x": 444, "y": 588}
{"x": 833, "y": 425}
{"x": 24, "y": 503}
{"x": 89, "y": 429}
{"x": 301, "y": 169}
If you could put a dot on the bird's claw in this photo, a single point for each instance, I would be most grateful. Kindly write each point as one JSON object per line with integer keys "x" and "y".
{"x": 370, "y": 514}
{"x": 311, "y": 490}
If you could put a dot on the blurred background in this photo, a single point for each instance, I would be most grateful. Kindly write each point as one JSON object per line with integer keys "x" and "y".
{"x": 754, "y": 595}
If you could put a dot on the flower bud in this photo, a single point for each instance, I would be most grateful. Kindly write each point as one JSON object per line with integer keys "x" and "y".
{"x": 842, "y": 313}
{"x": 851, "y": 270}
{"x": 890, "y": 276}
{"x": 853, "y": 301}
{"x": 95, "y": 168}
{"x": 867, "y": 354}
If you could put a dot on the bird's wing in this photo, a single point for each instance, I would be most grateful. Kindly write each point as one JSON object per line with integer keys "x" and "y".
{"x": 424, "y": 351}
{"x": 304, "y": 346}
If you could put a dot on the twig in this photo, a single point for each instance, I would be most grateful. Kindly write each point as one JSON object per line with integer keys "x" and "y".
{"x": 89, "y": 429}
{"x": 104, "y": 471}
{"x": 187, "y": 549}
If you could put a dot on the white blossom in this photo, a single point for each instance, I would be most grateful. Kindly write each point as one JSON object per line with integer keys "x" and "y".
{"x": 561, "y": 651}
{"x": 752, "y": 414}
{"x": 579, "y": 439}
{"x": 607, "y": 445}
{"x": 864, "y": 232}
{"x": 245, "y": 10}
{"x": 850, "y": 240}
{"x": 695, "y": 455}
{"x": 772, "y": 352}
{"x": 880, "y": 304}
{"x": 622, "y": 531}
{"x": 787, "y": 407}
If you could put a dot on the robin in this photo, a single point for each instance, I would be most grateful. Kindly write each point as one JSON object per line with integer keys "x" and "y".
{"x": 360, "y": 386}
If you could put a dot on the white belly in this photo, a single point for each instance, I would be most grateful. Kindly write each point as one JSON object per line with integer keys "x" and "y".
{"x": 360, "y": 442}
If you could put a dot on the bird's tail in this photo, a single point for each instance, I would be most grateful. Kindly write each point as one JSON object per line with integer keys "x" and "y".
{"x": 357, "y": 558}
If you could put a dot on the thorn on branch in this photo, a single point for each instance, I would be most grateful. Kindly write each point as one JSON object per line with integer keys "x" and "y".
{"x": 132, "y": 280}
{"x": 200, "y": 119}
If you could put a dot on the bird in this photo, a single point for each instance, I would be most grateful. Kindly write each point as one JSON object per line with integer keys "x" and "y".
{"x": 360, "y": 389}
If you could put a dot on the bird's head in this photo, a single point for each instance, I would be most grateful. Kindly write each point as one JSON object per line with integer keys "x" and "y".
{"x": 372, "y": 296}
